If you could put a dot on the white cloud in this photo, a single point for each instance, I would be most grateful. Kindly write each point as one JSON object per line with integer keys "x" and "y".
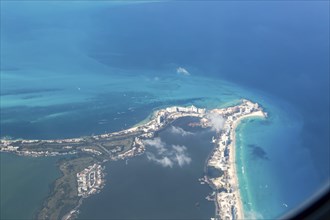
{"x": 217, "y": 121}
{"x": 179, "y": 131}
{"x": 182, "y": 71}
{"x": 156, "y": 143}
{"x": 167, "y": 156}
{"x": 165, "y": 161}
{"x": 179, "y": 148}
{"x": 180, "y": 155}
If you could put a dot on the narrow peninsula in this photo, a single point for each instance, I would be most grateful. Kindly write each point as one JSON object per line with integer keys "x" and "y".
{"x": 82, "y": 158}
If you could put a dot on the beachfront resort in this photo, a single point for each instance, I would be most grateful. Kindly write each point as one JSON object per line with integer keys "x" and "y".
{"x": 228, "y": 200}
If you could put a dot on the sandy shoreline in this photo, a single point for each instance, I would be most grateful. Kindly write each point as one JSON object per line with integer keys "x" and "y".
{"x": 240, "y": 209}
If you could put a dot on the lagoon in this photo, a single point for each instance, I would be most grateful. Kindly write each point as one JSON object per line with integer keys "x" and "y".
{"x": 25, "y": 183}
{"x": 140, "y": 188}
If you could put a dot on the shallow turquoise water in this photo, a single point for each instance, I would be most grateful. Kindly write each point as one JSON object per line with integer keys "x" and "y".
{"x": 271, "y": 164}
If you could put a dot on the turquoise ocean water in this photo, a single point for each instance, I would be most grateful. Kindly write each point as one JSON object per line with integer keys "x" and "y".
{"x": 71, "y": 70}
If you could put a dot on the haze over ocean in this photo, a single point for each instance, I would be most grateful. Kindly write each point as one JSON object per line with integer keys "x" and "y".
{"x": 77, "y": 68}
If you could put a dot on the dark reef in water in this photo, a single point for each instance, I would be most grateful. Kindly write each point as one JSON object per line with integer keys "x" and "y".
{"x": 258, "y": 152}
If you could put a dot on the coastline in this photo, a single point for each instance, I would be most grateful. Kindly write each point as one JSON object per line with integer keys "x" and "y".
{"x": 240, "y": 208}
{"x": 227, "y": 199}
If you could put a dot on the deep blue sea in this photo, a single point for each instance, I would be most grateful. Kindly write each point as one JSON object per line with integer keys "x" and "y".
{"x": 73, "y": 68}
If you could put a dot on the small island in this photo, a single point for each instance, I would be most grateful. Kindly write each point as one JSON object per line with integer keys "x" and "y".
{"x": 81, "y": 164}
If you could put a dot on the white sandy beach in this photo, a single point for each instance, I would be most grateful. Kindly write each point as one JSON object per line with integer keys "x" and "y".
{"x": 240, "y": 209}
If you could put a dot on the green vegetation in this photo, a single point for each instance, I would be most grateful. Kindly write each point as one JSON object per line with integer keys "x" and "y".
{"x": 64, "y": 194}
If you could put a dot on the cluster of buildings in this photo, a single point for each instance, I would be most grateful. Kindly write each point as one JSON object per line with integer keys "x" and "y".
{"x": 59, "y": 141}
{"x": 228, "y": 202}
{"x": 137, "y": 148}
{"x": 190, "y": 109}
{"x": 90, "y": 180}
{"x": 246, "y": 107}
{"x": 8, "y": 148}
{"x": 227, "y": 206}
{"x": 43, "y": 153}
{"x": 21, "y": 147}
{"x": 165, "y": 116}
{"x": 31, "y": 153}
